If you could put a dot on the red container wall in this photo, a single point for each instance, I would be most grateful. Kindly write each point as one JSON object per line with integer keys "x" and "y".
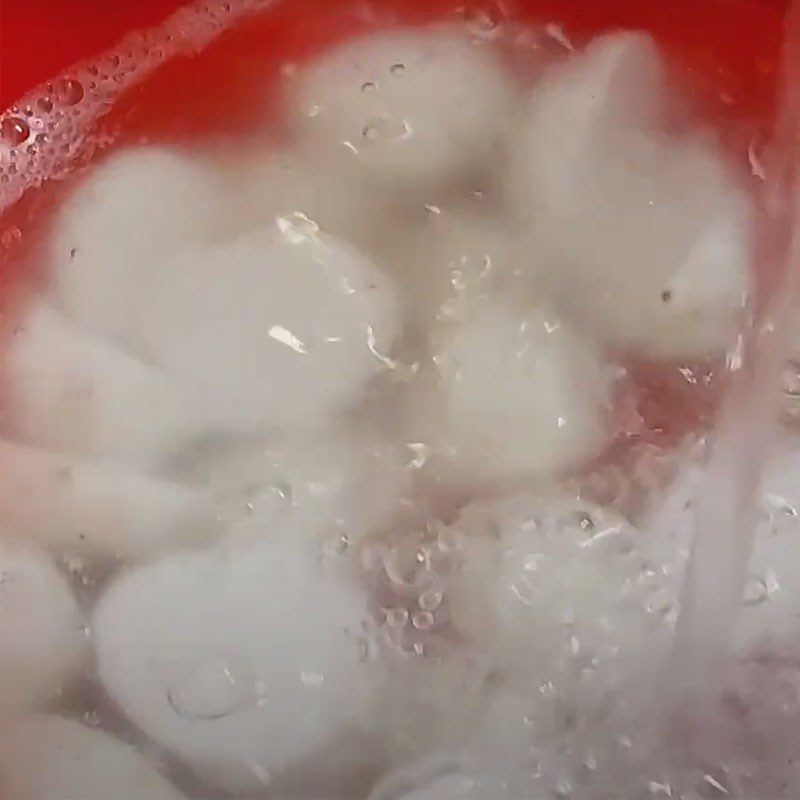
{"x": 40, "y": 38}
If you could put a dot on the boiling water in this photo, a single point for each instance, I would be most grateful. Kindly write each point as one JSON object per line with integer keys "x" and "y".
{"x": 505, "y": 556}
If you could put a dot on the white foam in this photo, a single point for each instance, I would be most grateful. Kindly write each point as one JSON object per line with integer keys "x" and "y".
{"x": 43, "y": 645}
{"x": 97, "y": 508}
{"x": 551, "y": 585}
{"x": 47, "y": 756}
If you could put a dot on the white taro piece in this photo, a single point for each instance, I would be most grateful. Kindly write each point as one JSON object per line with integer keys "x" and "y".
{"x": 48, "y": 757}
{"x": 250, "y": 664}
{"x": 516, "y": 393}
{"x": 452, "y": 255}
{"x": 69, "y": 391}
{"x": 411, "y": 109}
{"x": 43, "y": 644}
{"x": 646, "y": 236}
{"x": 121, "y": 223}
{"x": 96, "y": 508}
{"x": 278, "y": 184}
{"x": 284, "y": 326}
{"x": 337, "y": 487}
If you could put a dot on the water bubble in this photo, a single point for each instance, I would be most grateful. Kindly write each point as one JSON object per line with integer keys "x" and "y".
{"x": 756, "y": 591}
{"x": 14, "y": 130}
{"x": 563, "y": 789}
{"x": 397, "y": 69}
{"x": 208, "y": 690}
{"x": 791, "y": 391}
{"x": 422, "y": 620}
{"x": 430, "y": 600}
{"x": 661, "y": 603}
{"x": 381, "y": 129}
{"x": 396, "y": 617}
{"x": 368, "y": 86}
{"x": 484, "y": 17}
{"x": 68, "y": 91}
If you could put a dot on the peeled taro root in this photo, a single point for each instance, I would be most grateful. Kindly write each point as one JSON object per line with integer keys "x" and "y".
{"x": 48, "y": 756}
{"x": 280, "y": 327}
{"x": 334, "y": 487}
{"x": 251, "y": 664}
{"x": 71, "y": 392}
{"x": 514, "y": 394}
{"x": 129, "y": 215}
{"x": 644, "y": 235}
{"x": 408, "y": 109}
{"x": 96, "y": 508}
{"x": 43, "y": 642}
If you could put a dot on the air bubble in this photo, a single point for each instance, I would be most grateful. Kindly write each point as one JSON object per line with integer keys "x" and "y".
{"x": 14, "y": 130}
{"x": 396, "y": 617}
{"x": 381, "y": 129}
{"x": 210, "y": 690}
{"x": 563, "y": 789}
{"x": 484, "y": 17}
{"x": 397, "y": 69}
{"x": 368, "y": 86}
{"x": 422, "y": 620}
{"x": 45, "y": 104}
{"x": 756, "y": 591}
{"x": 662, "y": 604}
{"x": 68, "y": 91}
{"x": 430, "y": 600}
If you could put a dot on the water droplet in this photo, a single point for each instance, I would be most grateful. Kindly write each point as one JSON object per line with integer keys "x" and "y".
{"x": 661, "y": 603}
{"x": 397, "y": 69}
{"x": 335, "y": 545}
{"x": 312, "y": 679}
{"x": 68, "y": 91}
{"x": 208, "y": 690}
{"x": 14, "y": 130}
{"x": 381, "y": 129}
{"x": 396, "y": 617}
{"x": 484, "y": 17}
{"x": 368, "y": 86}
{"x": 756, "y": 591}
{"x": 422, "y": 620}
{"x": 563, "y": 789}
{"x": 430, "y": 600}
